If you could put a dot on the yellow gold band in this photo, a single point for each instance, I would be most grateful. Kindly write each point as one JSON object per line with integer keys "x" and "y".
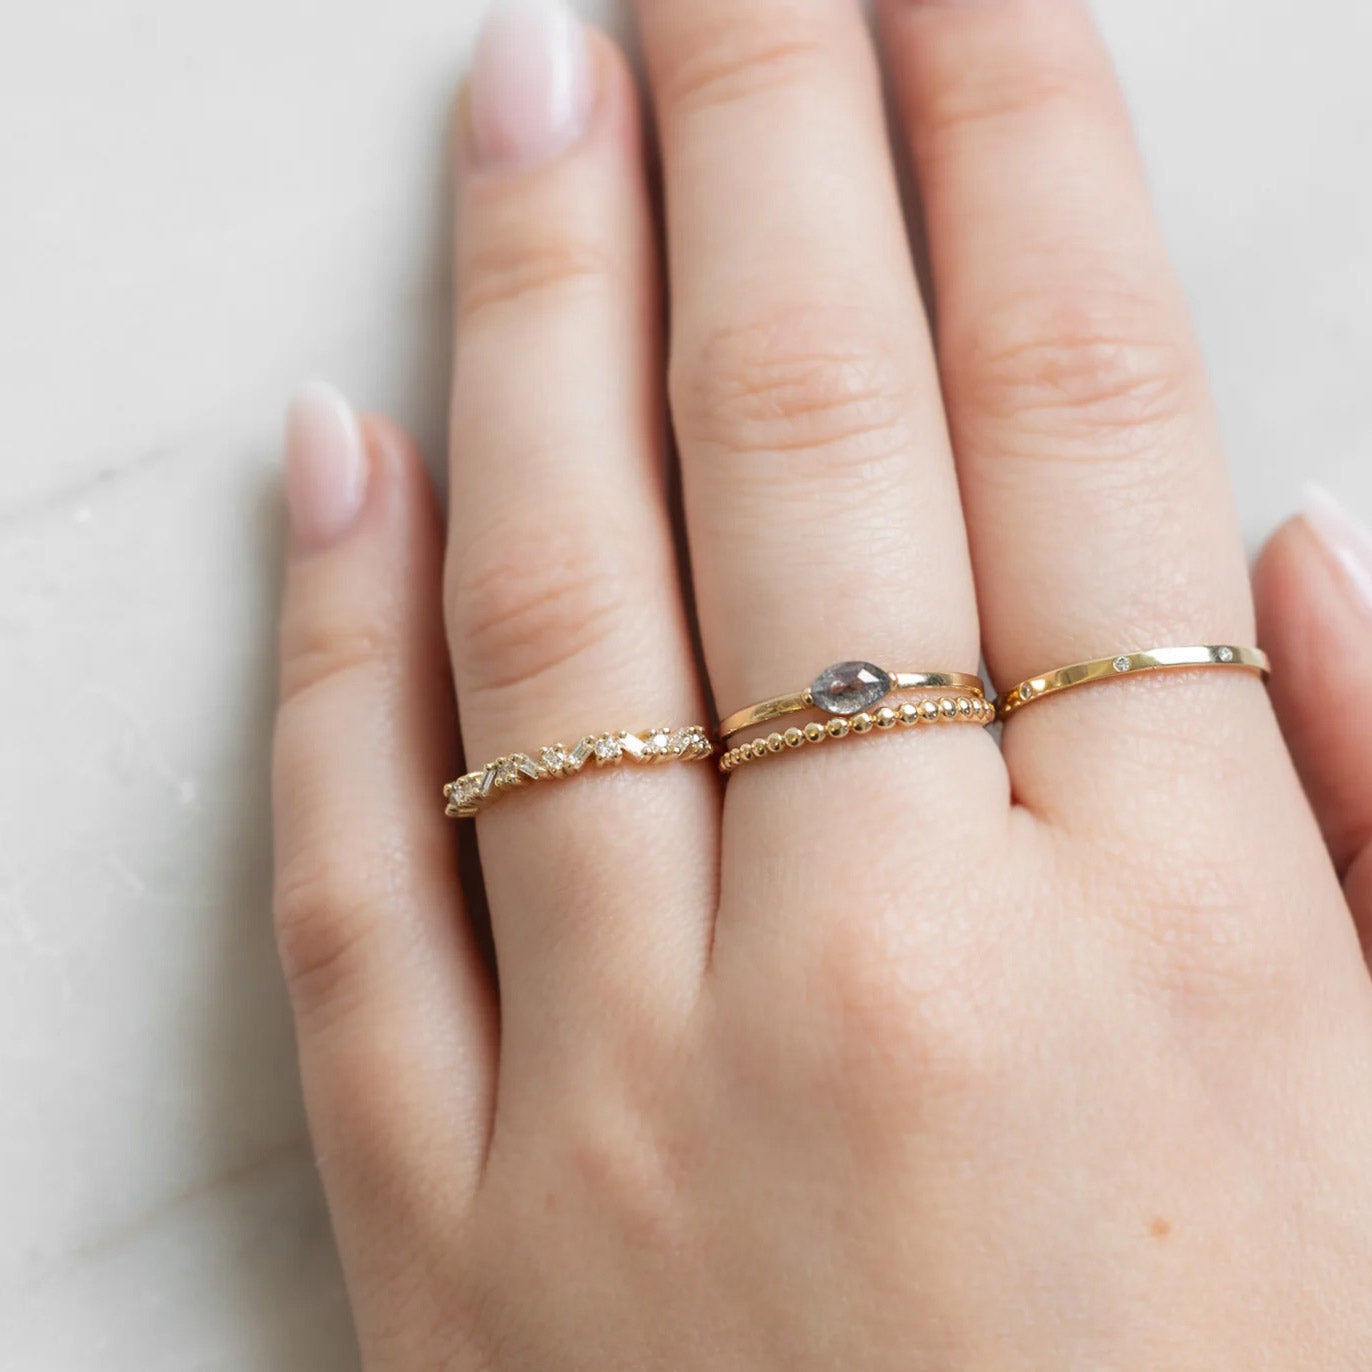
{"x": 846, "y": 689}
{"x": 469, "y": 795}
{"x": 968, "y": 709}
{"x": 1132, "y": 664}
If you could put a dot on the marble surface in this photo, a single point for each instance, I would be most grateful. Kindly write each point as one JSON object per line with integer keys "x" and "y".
{"x": 202, "y": 204}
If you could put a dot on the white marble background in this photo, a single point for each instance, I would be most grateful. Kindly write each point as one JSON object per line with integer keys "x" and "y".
{"x": 201, "y": 204}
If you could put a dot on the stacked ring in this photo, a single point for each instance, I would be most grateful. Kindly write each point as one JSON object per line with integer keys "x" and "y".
{"x": 848, "y": 688}
{"x": 973, "y": 709}
{"x": 850, "y": 694}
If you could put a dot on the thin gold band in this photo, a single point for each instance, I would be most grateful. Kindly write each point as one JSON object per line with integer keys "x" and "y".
{"x": 883, "y": 684}
{"x": 968, "y": 709}
{"x": 1133, "y": 664}
{"x": 469, "y": 795}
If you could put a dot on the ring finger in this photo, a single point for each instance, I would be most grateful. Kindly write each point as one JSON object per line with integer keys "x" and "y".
{"x": 1097, "y": 500}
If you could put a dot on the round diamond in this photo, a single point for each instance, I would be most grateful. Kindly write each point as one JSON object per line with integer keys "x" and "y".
{"x": 608, "y": 748}
{"x": 1225, "y": 655}
{"x": 1121, "y": 664}
{"x": 849, "y": 688}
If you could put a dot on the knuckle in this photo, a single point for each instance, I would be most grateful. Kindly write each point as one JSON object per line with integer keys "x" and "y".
{"x": 324, "y": 923}
{"x": 969, "y": 96}
{"x": 1091, "y": 368}
{"x": 525, "y": 602}
{"x": 723, "y": 64}
{"x": 799, "y": 396}
{"x": 618, "y": 1163}
{"x": 513, "y": 269}
{"x": 321, "y": 650}
{"x": 905, "y": 1020}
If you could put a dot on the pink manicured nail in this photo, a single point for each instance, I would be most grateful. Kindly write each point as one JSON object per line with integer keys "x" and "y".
{"x": 326, "y": 465}
{"x": 530, "y": 85}
{"x": 1348, "y": 541}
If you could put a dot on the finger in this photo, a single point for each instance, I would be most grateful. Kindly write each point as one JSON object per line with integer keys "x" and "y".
{"x": 1097, "y": 501}
{"x": 394, "y": 1010}
{"x": 564, "y": 605}
{"x": 1314, "y": 593}
{"x": 821, "y": 500}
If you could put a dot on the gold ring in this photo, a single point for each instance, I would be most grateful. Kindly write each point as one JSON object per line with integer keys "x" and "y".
{"x": 969, "y": 709}
{"x": 1132, "y": 664}
{"x": 847, "y": 689}
{"x": 469, "y": 795}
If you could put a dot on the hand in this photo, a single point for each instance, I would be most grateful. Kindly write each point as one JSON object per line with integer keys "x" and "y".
{"x": 909, "y": 1051}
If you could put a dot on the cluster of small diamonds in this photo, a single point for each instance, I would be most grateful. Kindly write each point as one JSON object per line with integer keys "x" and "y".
{"x": 470, "y": 794}
{"x": 957, "y": 710}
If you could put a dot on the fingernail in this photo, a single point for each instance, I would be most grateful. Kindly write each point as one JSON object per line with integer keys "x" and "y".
{"x": 1349, "y": 542}
{"x": 530, "y": 85}
{"x": 326, "y": 465}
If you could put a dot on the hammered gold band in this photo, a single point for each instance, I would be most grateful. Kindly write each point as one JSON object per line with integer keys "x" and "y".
{"x": 1132, "y": 664}
{"x": 846, "y": 689}
{"x": 969, "y": 709}
{"x": 469, "y": 795}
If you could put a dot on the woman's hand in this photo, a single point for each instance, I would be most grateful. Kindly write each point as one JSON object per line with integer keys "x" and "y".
{"x": 905, "y": 1052}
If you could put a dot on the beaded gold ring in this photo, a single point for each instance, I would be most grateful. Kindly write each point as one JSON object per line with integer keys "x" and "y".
{"x": 969, "y": 709}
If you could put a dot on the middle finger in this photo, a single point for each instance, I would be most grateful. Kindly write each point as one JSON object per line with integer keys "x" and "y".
{"x": 821, "y": 500}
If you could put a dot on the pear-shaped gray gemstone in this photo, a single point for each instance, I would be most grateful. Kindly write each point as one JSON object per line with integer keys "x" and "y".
{"x": 848, "y": 688}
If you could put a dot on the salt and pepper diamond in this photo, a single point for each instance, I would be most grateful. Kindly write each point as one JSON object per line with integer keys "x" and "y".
{"x": 849, "y": 688}
{"x": 1122, "y": 664}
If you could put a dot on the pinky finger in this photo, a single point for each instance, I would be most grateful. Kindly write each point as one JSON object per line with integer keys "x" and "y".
{"x": 394, "y": 1009}
{"x": 1314, "y": 597}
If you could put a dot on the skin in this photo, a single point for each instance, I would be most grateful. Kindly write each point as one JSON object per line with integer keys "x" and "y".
{"x": 918, "y": 1051}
